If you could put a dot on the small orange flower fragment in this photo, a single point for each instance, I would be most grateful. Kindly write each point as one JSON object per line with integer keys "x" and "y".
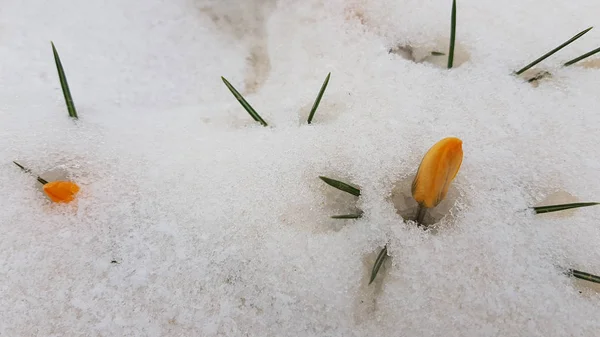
{"x": 61, "y": 191}
{"x": 436, "y": 171}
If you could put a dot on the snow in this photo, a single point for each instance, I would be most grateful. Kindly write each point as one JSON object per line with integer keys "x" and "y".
{"x": 218, "y": 226}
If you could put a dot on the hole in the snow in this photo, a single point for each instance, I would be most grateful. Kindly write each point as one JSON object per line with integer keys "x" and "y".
{"x": 591, "y": 64}
{"x": 339, "y": 203}
{"x": 535, "y": 76}
{"x": 365, "y": 303}
{"x": 63, "y": 171}
{"x": 330, "y": 108}
{"x": 319, "y": 202}
{"x": 407, "y": 207}
{"x": 57, "y": 173}
{"x": 435, "y": 53}
{"x": 556, "y": 198}
{"x": 586, "y": 288}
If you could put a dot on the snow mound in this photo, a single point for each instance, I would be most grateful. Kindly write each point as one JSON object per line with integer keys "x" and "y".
{"x": 193, "y": 220}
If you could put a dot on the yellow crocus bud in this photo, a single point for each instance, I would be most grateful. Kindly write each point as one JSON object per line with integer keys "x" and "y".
{"x": 436, "y": 171}
{"x": 61, "y": 191}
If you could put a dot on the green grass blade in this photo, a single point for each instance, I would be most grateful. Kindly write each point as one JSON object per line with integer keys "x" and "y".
{"x": 562, "y": 207}
{"x": 64, "y": 85}
{"x": 22, "y": 167}
{"x": 584, "y": 56}
{"x": 378, "y": 263}
{"x": 348, "y": 216}
{"x": 452, "y": 35}
{"x": 585, "y": 276}
{"x": 341, "y": 186}
{"x": 437, "y": 53}
{"x": 42, "y": 181}
{"x": 522, "y": 70}
{"x": 318, "y": 99}
{"x": 244, "y": 103}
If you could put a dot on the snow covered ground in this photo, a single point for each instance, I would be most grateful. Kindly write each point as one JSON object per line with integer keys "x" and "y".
{"x": 220, "y": 227}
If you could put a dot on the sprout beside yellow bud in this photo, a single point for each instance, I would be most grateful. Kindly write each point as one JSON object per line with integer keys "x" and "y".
{"x": 436, "y": 171}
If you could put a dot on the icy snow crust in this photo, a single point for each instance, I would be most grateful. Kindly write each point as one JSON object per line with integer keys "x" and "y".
{"x": 219, "y": 226}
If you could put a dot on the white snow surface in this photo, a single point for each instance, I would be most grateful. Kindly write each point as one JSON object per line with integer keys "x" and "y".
{"x": 220, "y": 227}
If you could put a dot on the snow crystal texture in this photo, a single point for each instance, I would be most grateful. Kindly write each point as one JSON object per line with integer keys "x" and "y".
{"x": 193, "y": 220}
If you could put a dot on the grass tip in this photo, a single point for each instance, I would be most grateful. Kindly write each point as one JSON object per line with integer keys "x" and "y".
{"x": 452, "y": 35}
{"x": 64, "y": 85}
{"x": 243, "y": 102}
{"x": 582, "y": 57}
{"x": 342, "y": 186}
{"x": 348, "y": 216}
{"x": 562, "y": 207}
{"x": 318, "y": 99}
{"x": 378, "y": 263}
{"x": 584, "y": 276}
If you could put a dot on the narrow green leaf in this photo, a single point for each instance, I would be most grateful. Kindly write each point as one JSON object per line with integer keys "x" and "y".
{"x": 584, "y": 56}
{"x": 341, "y": 186}
{"x": 437, "y": 53}
{"x": 562, "y": 207}
{"x": 42, "y": 181}
{"x": 22, "y": 167}
{"x": 378, "y": 263}
{"x": 244, "y": 103}
{"x": 452, "y": 35}
{"x": 585, "y": 276}
{"x": 318, "y": 99}
{"x": 348, "y": 216}
{"x": 64, "y": 85}
{"x": 522, "y": 70}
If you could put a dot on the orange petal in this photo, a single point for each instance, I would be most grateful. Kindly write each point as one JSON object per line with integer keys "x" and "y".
{"x": 437, "y": 170}
{"x": 61, "y": 191}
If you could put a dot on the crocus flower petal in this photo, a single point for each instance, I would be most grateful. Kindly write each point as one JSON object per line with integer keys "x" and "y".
{"x": 437, "y": 170}
{"x": 61, "y": 191}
